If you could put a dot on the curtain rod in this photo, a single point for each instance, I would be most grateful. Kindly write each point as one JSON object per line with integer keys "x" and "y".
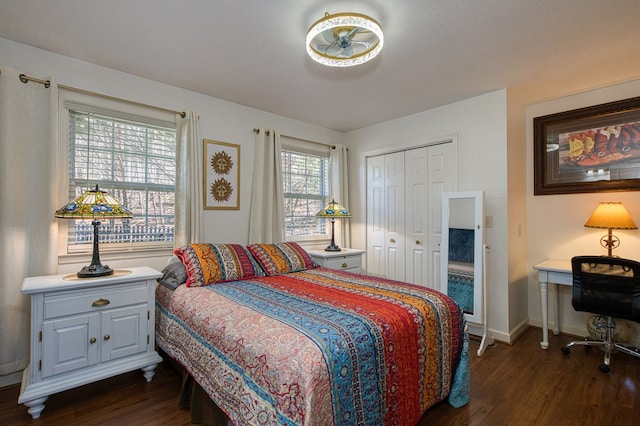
{"x": 25, "y": 79}
{"x": 267, "y": 131}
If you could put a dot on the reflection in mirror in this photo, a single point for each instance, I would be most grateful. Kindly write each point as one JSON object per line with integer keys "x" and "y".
{"x": 460, "y": 267}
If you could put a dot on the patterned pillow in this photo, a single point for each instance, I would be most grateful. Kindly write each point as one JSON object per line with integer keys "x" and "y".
{"x": 216, "y": 263}
{"x": 281, "y": 258}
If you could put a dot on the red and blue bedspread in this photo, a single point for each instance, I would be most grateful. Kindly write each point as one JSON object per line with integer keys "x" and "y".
{"x": 318, "y": 347}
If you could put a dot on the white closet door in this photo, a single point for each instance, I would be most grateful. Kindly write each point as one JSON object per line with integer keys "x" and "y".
{"x": 395, "y": 216}
{"x": 430, "y": 171}
{"x": 404, "y": 211}
{"x": 443, "y": 177}
{"x": 376, "y": 217}
{"x": 416, "y": 180}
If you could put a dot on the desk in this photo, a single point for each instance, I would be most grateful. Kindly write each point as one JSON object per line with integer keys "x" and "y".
{"x": 556, "y": 272}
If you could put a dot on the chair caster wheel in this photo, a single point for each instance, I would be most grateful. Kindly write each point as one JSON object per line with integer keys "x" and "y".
{"x": 604, "y": 368}
{"x": 565, "y": 350}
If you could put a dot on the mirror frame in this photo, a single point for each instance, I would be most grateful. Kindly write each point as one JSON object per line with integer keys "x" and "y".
{"x": 478, "y": 250}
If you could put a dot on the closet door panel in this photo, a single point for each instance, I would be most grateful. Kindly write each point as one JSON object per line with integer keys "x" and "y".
{"x": 443, "y": 177}
{"x": 416, "y": 177}
{"x": 376, "y": 216}
{"x": 395, "y": 214}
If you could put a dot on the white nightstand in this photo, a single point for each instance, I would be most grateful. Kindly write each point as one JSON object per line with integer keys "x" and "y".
{"x": 84, "y": 330}
{"x": 345, "y": 260}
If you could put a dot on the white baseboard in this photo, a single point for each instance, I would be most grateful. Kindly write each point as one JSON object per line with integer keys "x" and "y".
{"x": 500, "y": 336}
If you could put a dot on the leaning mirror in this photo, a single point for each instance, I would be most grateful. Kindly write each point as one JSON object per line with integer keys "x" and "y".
{"x": 461, "y": 271}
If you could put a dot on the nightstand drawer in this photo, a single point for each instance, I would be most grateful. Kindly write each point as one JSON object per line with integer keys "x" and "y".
{"x": 350, "y": 262}
{"x": 76, "y": 302}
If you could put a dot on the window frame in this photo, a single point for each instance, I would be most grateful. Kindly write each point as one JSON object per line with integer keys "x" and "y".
{"x": 308, "y": 148}
{"x": 119, "y": 109}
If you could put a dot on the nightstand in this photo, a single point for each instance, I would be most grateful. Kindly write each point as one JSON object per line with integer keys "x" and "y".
{"x": 84, "y": 330}
{"x": 344, "y": 260}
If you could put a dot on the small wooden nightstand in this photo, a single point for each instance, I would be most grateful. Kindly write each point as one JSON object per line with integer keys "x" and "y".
{"x": 84, "y": 330}
{"x": 344, "y": 260}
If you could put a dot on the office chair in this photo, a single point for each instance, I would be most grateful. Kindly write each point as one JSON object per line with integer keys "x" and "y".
{"x": 607, "y": 286}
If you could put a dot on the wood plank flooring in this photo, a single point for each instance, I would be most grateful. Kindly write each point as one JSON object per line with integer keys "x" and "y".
{"x": 510, "y": 385}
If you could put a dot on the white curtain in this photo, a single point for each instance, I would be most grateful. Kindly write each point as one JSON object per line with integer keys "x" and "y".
{"x": 339, "y": 191}
{"x": 266, "y": 223}
{"x": 28, "y": 196}
{"x": 189, "y": 181}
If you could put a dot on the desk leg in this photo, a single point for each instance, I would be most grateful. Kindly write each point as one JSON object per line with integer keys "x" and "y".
{"x": 556, "y": 311}
{"x": 545, "y": 319}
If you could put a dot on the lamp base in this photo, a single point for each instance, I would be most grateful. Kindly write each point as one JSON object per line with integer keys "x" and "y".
{"x": 96, "y": 269}
{"x": 93, "y": 271}
{"x": 333, "y": 247}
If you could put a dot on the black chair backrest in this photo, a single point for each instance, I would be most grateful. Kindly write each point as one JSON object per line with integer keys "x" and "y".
{"x": 606, "y": 286}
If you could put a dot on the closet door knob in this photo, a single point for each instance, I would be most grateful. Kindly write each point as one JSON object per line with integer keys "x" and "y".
{"x": 106, "y": 337}
{"x": 392, "y": 241}
{"x": 92, "y": 340}
{"x": 418, "y": 242}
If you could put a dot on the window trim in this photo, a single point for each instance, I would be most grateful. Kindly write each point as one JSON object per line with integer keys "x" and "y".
{"x": 122, "y": 109}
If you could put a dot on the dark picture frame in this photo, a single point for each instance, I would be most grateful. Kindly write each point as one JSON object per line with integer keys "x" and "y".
{"x": 592, "y": 149}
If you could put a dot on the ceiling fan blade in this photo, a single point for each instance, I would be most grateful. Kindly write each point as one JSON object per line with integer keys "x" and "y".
{"x": 347, "y": 52}
{"x": 328, "y": 36}
{"x": 362, "y": 44}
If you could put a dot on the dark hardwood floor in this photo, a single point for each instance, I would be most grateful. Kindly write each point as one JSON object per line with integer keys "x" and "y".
{"x": 510, "y": 385}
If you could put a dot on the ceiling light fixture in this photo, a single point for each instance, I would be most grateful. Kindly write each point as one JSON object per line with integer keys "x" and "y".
{"x": 344, "y": 39}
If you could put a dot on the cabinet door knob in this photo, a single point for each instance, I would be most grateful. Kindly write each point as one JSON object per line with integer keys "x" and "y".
{"x": 106, "y": 337}
{"x": 344, "y": 265}
{"x": 100, "y": 302}
{"x": 418, "y": 242}
{"x": 92, "y": 340}
{"x": 392, "y": 241}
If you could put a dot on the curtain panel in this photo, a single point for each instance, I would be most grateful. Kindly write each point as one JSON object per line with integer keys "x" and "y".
{"x": 266, "y": 222}
{"x": 189, "y": 181}
{"x": 28, "y": 196}
{"x": 339, "y": 191}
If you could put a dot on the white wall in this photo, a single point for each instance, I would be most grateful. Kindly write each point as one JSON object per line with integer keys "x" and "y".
{"x": 219, "y": 120}
{"x": 555, "y": 223}
{"x": 480, "y": 125}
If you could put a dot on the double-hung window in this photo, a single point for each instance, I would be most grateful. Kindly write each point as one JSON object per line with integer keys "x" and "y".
{"x": 306, "y": 188}
{"x": 133, "y": 157}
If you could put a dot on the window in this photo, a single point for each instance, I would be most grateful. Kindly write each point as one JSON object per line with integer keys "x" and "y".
{"x": 132, "y": 158}
{"x": 306, "y": 187}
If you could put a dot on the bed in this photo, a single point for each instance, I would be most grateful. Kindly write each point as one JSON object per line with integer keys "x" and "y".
{"x": 273, "y": 339}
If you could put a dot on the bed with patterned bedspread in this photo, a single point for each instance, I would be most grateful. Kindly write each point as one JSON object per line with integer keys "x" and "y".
{"x": 317, "y": 346}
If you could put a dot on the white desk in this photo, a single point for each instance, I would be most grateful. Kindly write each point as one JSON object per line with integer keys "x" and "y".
{"x": 552, "y": 271}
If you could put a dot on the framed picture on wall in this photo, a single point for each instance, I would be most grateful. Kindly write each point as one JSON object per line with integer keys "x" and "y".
{"x": 221, "y": 175}
{"x": 592, "y": 149}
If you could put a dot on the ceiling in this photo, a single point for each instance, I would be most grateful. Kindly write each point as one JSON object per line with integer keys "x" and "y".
{"x": 252, "y": 52}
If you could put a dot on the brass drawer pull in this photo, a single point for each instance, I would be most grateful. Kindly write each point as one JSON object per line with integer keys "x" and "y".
{"x": 100, "y": 302}
{"x": 106, "y": 337}
{"x": 92, "y": 340}
{"x": 344, "y": 265}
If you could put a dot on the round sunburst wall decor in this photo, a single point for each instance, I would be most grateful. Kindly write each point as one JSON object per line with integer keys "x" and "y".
{"x": 221, "y": 163}
{"x": 221, "y": 190}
